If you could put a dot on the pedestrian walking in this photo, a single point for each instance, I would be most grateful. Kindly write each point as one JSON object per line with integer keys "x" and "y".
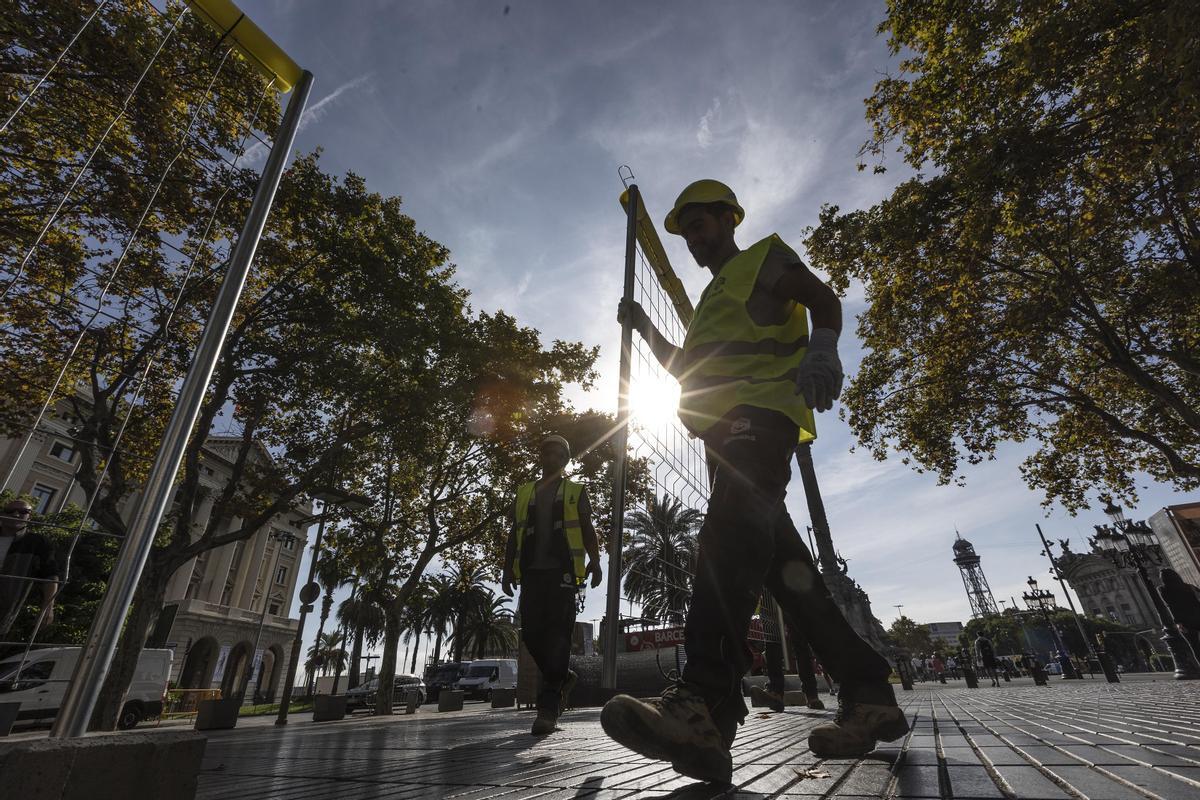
{"x": 939, "y": 668}
{"x": 751, "y": 375}
{"x": 1183, "y": 601}
{"x": 26, "y": 558}
{"x": 986, "y": 655}
{"x": 551, "y": 533}
{"x": 772, "y": 695}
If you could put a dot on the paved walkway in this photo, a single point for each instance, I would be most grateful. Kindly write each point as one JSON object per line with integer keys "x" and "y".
{"x": 1069, "y": 740}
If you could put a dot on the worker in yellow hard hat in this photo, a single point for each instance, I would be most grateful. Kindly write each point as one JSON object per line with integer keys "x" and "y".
{"x": 751, "y": 376}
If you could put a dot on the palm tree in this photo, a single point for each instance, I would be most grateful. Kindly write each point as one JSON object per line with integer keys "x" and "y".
{"x": 489, "y": 626}
{"x": 412, "y": 619}
{"x": 331, "y": 573}
{"x": 468, "y": 591}
{"x": 326, "y": 653}
{"x": 439, "y": 611}
{"x": 364, "y": 615}
{"x": 660, "y": 562}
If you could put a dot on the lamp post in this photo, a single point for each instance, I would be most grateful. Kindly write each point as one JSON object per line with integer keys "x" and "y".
{"x": 1133, "y": 544}
{"x": 310, "y": 591}
{"x": 279, "y": 538}
{"x": 1043, "y": 600}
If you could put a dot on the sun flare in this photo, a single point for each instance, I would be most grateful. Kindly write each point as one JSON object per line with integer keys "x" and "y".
{"x": 654, "y": 400}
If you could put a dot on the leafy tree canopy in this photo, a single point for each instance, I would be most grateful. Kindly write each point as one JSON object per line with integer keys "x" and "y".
{"x": 1038, "y": 277}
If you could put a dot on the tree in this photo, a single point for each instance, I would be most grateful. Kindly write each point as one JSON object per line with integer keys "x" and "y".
{"x": 488, "y": 626}
{"x": 332, "y": 574}
{"x": 911, "y": 636}
{"x": 362, "y": 614}
{"x": 1037, "y": 278}
{"x": 439, "y": 611}
{"x": 660, "y": 559}
{"x": 327, "y": 654}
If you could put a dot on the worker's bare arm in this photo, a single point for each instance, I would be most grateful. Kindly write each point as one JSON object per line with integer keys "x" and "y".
{"x": 800, "y": 284}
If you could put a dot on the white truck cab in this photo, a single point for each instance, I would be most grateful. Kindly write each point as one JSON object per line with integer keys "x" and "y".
{"x": 42, "y": 683}
{"x": 484, "y": 676}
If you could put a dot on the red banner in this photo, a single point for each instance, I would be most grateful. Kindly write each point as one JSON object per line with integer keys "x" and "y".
{"x": 653, "y": 639}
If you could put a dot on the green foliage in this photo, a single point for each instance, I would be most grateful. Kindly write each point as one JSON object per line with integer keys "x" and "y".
{"x": 911, "y": 636}
{"x": 660, "y": 559}
{"x": 1038, "y": 277}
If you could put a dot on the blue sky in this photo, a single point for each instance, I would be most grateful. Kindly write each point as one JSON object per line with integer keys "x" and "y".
{"x": 503, "y": 132}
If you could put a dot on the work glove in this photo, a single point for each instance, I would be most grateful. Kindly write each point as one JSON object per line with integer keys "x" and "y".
{"x": 635, "y": 313}
{"x": 819, "y": 376}
{"x": 597, "y": 574}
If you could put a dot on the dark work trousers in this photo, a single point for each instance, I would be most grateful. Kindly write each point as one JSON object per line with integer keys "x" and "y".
{"x": 804, "y": 668}
{"x": 547, "y": 622}
{"x": 747, "y": 542}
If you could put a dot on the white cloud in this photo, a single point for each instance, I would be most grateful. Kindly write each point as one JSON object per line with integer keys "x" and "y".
{"x": 704, "y": 134}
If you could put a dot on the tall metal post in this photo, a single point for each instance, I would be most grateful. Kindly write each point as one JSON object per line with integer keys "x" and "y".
{"x": 612, "y": 632}
{"x": 298, "y": 639}
{"x": 1109, "y": 674}
{"x": 826, "y": 555}
{"x": 262, "y": 618}
{"x": 96, "y": 658}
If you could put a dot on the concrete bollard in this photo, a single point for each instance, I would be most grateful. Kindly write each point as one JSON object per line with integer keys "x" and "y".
{"x": 450, "y": 700}
{"x": 8, "y": 715}
{"x": 217, "y": 715}
{"x": 504, "y": 698}
{"x": 411, "y": 701}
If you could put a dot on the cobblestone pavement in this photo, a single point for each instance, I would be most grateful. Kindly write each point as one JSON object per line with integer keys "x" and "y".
{"x": 1070, "y": 740}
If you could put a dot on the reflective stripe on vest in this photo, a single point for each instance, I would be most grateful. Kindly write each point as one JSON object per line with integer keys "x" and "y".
{"x": 730, "y": 360}
{"x": 568, "y": 496}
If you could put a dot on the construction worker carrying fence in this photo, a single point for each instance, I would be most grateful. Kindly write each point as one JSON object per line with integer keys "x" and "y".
{"x": 751, "y": 376}
{"x": 552, "y": 532}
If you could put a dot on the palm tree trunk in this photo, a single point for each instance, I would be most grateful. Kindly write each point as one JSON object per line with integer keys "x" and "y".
{"x": 416, "y": 647}
{"x": 437, "y": 649}
{"x": 458, "y": 637}
{"x": 355, "y": 657}
{"x": 326, "y": 607}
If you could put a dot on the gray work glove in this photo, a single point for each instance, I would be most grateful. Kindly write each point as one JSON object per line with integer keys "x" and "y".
{"x": 819, "y": 376}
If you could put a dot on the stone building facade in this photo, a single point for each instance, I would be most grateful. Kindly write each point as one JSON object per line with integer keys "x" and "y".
{"x": 215, "y": 604}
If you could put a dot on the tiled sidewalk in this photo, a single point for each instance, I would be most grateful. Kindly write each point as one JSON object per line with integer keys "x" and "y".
{"x": 1069, "y": 740}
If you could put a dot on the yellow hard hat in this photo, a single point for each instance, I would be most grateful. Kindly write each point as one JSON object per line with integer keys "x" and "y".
{"x": 704, "y": 191}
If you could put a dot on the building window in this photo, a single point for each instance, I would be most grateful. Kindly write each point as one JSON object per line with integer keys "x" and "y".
{"x": 63, "y": 452}
{"x": 281, "y": 575}
{"x": 289, "y": 543}
{"x": 44, "y": 496}
{"x": 273, "y": 609}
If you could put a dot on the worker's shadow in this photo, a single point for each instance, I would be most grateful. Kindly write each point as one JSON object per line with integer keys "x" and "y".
{"x": 703, "y": 791}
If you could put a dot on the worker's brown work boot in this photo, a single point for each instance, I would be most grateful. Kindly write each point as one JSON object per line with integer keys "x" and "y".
{"x": 675, "y": 727}
{"x": 763, "y": 696}
{"x": 856, "y": 729}
{"x": 812, "y": 701}
{"x": 564, "y": 694}
{"x": 545, "y": 723}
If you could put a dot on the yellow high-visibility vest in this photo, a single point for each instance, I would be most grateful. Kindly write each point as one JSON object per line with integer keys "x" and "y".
{"x": 730, "y": 360}
{"x": 567, "y": 524}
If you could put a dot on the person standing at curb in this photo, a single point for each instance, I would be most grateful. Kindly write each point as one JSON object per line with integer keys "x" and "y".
{"x": 751, "y": 377}
{"x": 552, "y": 532}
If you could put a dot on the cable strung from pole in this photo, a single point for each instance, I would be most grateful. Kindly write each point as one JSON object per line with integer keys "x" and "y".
{"x": 88, "y": 162}
{"x": 53, "y": 66}
{"x": 200, "y": 106}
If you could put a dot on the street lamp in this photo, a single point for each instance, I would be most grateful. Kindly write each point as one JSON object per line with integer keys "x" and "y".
{"x": 1133, "y": 544}
{"x": 1043, "y": 600}
{"x": 310, "y": 591}
{"x": 277, "y": 536}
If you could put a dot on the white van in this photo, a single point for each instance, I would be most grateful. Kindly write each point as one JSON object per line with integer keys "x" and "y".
{"x": 43, "y": 682}
{"x": 483, "y": 676}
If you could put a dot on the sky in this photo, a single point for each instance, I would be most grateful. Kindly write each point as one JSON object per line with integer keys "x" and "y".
{"x": 502, "y": 126}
